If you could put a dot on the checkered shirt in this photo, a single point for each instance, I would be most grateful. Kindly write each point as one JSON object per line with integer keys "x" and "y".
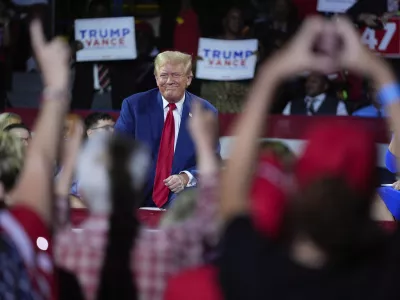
{"x": 158, "y": 254}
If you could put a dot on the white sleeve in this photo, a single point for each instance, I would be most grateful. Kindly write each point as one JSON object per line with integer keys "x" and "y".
{"x": 286, "y": 111}
{"x": 341, "y": 109}
{"x": 192, "y": 180}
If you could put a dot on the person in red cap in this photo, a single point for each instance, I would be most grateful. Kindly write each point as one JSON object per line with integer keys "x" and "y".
{"x": 328, "y": 246}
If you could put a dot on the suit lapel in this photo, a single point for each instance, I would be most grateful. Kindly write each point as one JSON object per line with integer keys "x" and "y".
{"x": 184, "y": 143}
{"x": 156, "y": 120}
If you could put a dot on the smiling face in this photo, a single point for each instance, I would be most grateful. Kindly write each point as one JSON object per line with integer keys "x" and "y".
{"x": 172, "y": 80}
{"x": 316, "y": 84}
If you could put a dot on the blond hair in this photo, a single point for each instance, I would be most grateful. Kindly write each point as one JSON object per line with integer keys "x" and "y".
{"x": 173, "y": 57}
{"x": 181, "y": 209}
{"x": 7, "y": 119}
{"x": 12, "y": 159}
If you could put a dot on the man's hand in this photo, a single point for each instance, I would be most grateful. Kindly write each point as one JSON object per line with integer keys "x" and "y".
{"x": 300, "y": 55}
{"x": 177, "y": 183}
{"x": 396, "y": 185}
{"x": 387, "y": 16}
{"x": 369, "y": 19}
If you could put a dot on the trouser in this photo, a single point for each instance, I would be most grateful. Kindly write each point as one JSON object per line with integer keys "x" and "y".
{"x": 97, "y": 99}
{"x": 101, "y": 100}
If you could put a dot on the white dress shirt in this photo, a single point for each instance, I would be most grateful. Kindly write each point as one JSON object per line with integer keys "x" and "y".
{"x": 177, "y": 122}
{"x": 96, "y": 79}
{"x": 316, "y": 103}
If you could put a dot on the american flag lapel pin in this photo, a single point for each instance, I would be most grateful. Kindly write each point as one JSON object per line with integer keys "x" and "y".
{"x": 190, "y": 114}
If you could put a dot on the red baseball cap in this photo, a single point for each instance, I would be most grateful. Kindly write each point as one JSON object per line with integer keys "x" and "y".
{"x": 268, "y": 195}
{"x": 342, "y": 149}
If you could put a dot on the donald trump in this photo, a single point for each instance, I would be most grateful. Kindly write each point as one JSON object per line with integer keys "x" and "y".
{"x": 158, "y": 118}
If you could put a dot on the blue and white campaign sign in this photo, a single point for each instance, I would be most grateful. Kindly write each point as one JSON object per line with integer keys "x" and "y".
{"x": 106, "y": 39}
{"x": 335, "y": 6}
{"x": 226, "y": 60}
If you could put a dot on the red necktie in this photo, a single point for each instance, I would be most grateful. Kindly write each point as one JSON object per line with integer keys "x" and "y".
{"x": 165, "y": 158}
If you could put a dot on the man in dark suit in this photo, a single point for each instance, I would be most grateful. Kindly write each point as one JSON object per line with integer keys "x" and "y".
{"x": 317, "y": 100}
{"x": 113, "y": 81}
{"x": 373, "y": 13}
{"x": 158, "y": 118}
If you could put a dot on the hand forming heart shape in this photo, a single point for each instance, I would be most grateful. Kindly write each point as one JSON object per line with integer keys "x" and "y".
{"x": 325, "y": 46}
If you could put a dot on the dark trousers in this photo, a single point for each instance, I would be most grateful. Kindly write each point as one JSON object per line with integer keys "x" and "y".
{"x": 85, "y": 103}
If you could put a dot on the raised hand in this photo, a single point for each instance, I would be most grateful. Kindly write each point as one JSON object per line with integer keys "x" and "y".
{"x": 312, "y": 49}
{"x": 53, "y": 57}
{"x": 353, "y": 55}
{"x": 203, "y": 126}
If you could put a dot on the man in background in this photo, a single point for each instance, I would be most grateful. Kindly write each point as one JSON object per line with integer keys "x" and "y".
{"x": 317, "y": 100}
{"x": 107, "y": 82}
{"x": 374, "y": 109}
{"x": 98, "y": 122}
{"x": 373, "y": 13}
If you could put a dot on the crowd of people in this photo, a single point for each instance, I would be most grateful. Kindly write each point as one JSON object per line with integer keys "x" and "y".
{"x": 263, "y": 223}
{"x": 271, "y": 23}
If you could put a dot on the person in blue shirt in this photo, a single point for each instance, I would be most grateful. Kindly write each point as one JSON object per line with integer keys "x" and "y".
{"x": 97, "y": 122}
{"x": 374, "y": 110}
{"x": 391, "y": 194}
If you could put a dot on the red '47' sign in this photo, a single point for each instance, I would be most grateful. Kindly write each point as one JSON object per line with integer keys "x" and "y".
{"x": 385, "y": 42}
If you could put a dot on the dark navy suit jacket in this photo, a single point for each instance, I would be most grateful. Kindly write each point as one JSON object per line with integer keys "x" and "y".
{"x": 142, "y": 117}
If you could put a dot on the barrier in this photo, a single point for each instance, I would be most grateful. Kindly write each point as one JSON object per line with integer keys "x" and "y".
{"x": 288, "y": 129}
{"x": 149, "y": 217}
{"x": 278, "y": 126}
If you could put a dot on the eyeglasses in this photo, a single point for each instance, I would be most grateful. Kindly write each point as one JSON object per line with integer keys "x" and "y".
{"x": 24, "y": 140}
{"x": 174, "y": 76}
{"x": 105, "y": 127}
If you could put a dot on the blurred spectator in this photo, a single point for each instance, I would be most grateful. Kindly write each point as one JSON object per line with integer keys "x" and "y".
{"x": 7, "y": 119}
{"x": 228, "y": 96}
{"x": 374, "y": 109}
{"x": 280, "y": 149}
{"x": 29, "y": 10}
{"x": 140, "y": 70}
{"x": 277, "y": 25}
{"x": 21, "y": 132}
{"x": 12, "y": 159}
{"x": 187, "y": 30}
{"x": 375, "y": 14}
{"x": 114, "y": 274}
{"x": 372, "y": 13}
{"x": 329, "y": 247}
{"x": 99, "y": 122}
{"x": 158, "y": 254}
{"x": 25, "y": 227}
{"x": 186, "y": 38}
{"x": 317, "y": 100}
{"x": 5, "y": 59}
{"x": 112, "y": 81}
{"x": 181, "y": 210}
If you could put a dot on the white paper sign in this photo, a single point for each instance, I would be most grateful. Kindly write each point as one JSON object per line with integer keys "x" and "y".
{"x": 335, "y": 6}
{"x": 106, "y": 39}
{"x": 226, "y": 60}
